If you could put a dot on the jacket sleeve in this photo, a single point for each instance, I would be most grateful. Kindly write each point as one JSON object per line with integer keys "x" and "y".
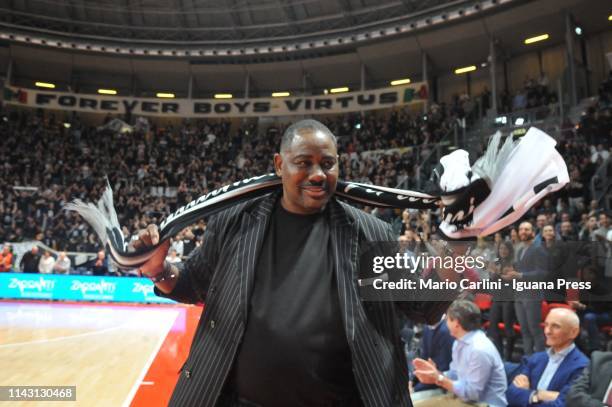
{"x": 560, "y": 401}
{"x": 195, "y": 274}
{"x": 539, "y": 269}
{"x": 519, "y": 397}
{"x": 579, "y": 396}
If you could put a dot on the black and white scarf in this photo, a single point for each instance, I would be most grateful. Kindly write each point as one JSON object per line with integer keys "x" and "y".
{"x": 477, "y": 201}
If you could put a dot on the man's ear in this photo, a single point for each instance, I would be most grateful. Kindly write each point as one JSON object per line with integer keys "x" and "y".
{"x": 278, "y": 164}
{"x": 575, "y": 332}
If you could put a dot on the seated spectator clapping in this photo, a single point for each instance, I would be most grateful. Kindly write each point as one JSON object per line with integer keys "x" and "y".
{"x": 476, "y": 371}
{"x": 436, "y": 346}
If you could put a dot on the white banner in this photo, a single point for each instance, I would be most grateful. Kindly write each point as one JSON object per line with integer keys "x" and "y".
{"x": 289, "y": 106}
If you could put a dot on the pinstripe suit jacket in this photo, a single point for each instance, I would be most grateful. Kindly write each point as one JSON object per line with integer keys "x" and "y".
{"x": 221, "y": 273}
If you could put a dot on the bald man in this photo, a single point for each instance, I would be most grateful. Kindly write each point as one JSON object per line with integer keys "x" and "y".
{"x": 546, "y": 377}
{"x": 62, "y": 264}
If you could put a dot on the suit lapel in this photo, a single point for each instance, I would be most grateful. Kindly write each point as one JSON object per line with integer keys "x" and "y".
{"x": 562, "y": 370}
{"x": 538, "y": 371}
{"x": 252, "y": 234}
{"x": 344, "y": 240}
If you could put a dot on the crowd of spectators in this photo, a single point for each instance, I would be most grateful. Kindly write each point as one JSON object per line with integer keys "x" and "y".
{"x": 568, "y": 235}
{"x": 550, "y": 359}
{"x": 46, "y": 163}
{"x": 534, "y": 93}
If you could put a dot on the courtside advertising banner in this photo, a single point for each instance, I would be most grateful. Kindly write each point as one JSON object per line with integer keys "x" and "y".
{"x": 78, "y": 288}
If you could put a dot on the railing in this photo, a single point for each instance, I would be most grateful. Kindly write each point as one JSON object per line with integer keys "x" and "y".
{"x": 527, "y": 116}
{"x": 547, "y": 118}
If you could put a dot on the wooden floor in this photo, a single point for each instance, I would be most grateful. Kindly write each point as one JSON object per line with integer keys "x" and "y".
{"x": 115, "y": 355}
{"x": 110, "y": 353}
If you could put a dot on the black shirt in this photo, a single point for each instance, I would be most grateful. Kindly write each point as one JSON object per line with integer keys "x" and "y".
{"x": 29, "y": 262}
{"x": 295, "y": 351}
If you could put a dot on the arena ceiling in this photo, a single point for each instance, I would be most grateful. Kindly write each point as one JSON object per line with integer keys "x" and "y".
{"x": 206, "y": 21}
{"x": 447, "y": 45}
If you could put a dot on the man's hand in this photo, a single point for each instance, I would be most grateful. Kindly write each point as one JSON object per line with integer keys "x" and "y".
{"x": 155, "y": 264}
{"x": 547, "y": 395}
{"x": 513, "y": 274}
{"x": 521, "y": 381}
{"x": 431, "y": 362}
{"x": 426, "y": 371}
{"x": 146, "y": 237}
{"x": 150, "y": 237}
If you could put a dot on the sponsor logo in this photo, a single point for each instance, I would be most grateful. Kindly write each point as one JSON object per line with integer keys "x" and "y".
{"x": 145, "y": 289}
{"x": 29, "y": 286}
{"x": 88, "y": 288}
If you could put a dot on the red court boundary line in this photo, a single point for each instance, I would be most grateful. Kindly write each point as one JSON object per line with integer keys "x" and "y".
{"x": 163, "y": 373}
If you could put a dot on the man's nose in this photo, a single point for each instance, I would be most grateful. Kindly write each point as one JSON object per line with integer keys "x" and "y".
{"x": 316, "y": 174}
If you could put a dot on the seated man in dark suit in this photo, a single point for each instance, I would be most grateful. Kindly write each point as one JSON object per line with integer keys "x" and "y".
{"x": 545, "y": 377}
{"x": 436, "y": 345}
{"x": 593, "y": 388}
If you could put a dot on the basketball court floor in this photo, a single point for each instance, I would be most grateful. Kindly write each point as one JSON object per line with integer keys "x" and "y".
{"x": 115, "y": 355}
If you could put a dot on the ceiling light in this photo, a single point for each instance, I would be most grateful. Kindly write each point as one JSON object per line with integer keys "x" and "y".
{"x": 536, "y": 39}
{"x": 223, "y": 96}
{"x": 45, "y": 85}
{"x": 400, "y": 82}
{"x": 280, "y": 94}
{"x": 165, "y": 95}
{"x": 339, "y": 90}
{"x": 465, "y": 69}
{"x": 107, "y": 91}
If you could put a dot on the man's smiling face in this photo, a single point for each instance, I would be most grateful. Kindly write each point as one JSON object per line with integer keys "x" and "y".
{"x": 308, "y": 166}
